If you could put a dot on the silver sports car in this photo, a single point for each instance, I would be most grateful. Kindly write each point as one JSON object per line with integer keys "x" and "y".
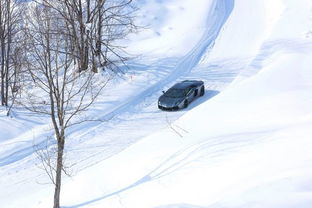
{"x": 181, "y": 94}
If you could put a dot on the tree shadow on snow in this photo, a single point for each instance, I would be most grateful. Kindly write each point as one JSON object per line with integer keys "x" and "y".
{"x": 141, "y": 181}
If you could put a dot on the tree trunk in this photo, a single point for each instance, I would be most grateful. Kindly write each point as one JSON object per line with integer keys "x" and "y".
{"x": 83, "y": 55}
{"x": 2, "y": 55}
{"x": 59, "y": 168}
{"x": 98, "y": 44}
{"x": 2, "y": 73}
{"x": 2, "y": 66}
{"x": 8, "y": 51}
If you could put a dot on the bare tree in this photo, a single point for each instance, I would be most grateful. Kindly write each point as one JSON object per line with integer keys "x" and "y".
{"x": 66, "y": 41}
{"x": 57, "y": 89}
{"x": 95, "y": 26}
{"x": 10, "y": 45}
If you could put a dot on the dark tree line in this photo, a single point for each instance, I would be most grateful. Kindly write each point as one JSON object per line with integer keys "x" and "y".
{"x": 51, "y": 52}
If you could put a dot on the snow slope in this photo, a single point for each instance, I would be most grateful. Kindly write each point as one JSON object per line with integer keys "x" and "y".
{"x": 122, "y": 106}
{"x": 248, "y": 151}
{"x": 218, "y": 12}
{"x": 246, "y": 144}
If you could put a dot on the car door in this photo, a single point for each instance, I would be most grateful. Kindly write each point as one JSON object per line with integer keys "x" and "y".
{"x": 190, "y": 94}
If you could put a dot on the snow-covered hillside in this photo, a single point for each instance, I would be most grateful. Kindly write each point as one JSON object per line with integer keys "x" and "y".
{"x": 246, "y": 143}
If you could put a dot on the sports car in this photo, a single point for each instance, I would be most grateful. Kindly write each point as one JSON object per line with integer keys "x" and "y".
{"x": 181, "y": 95}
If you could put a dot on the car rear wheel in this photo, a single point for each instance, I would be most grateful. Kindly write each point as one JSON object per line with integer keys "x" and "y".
{"x": 202, "y": 91}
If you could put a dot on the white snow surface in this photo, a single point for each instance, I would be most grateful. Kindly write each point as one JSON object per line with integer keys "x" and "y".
{"x": 245, "y": 144}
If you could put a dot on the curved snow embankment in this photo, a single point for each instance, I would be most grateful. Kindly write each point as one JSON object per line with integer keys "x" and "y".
{"x": 248, "y": 146}
{"x": 251, "y": 140}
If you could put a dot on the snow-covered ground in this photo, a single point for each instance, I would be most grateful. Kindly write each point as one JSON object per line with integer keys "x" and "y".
{"x": 246, "y": 143}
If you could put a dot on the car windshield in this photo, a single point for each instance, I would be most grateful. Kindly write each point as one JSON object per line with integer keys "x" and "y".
{"x": 175, "y": 93}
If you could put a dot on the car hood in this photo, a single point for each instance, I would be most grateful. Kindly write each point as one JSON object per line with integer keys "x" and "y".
{"x": 169, "y": 101}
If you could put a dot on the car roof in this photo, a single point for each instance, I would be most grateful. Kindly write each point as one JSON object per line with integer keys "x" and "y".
{"x": 186, "y": 84}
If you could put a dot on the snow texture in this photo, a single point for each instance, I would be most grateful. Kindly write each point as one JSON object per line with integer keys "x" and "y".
{"x": 246, "y": 143}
